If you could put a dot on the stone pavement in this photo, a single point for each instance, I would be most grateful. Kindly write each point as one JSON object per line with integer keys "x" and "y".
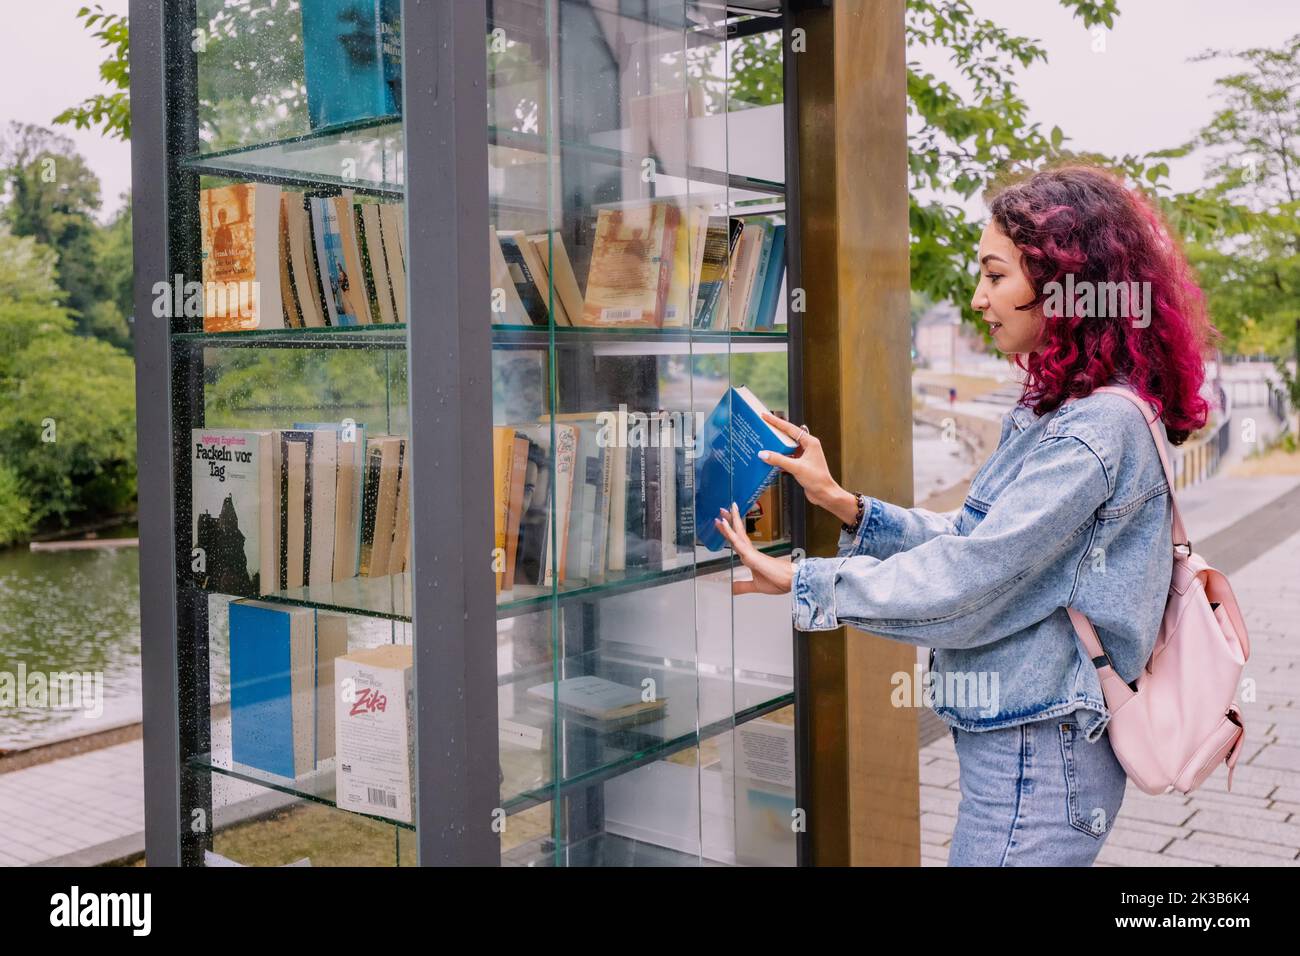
{"x": 1258, "y": 823}
{"x": 68, "y": 805}
{"x": 89, "y": 809}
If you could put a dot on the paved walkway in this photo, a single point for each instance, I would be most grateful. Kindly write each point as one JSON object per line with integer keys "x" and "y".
{"x": 89, "y": 809}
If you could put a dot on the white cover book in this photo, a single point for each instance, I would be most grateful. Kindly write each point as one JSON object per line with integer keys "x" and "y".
{"x": 378, "y": 261}
{"x": 391, "y": 217}
{"x": 616, "y": 539}
{"x": 231, "y": 484}
{"x": 596, "y": 697}
{"x": 324, "y": 490}
{"x": 373, "y": 732}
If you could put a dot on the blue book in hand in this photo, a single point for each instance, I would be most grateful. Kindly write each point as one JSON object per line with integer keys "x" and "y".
{"x": 728, "y": 467}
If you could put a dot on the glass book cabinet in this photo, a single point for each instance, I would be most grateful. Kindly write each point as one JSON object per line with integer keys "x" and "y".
{"x": 435, "y": 299}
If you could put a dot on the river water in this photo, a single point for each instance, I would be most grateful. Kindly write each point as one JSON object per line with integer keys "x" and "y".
{"x": 70, "y": 612}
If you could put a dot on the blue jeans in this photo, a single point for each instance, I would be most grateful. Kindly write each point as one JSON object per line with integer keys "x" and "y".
{"x": 1037, "y": 794}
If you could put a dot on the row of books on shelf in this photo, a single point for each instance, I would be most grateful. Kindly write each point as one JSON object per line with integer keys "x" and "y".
{"x": 653, "y": 265}
{"x": 574, "y": 499}
{"x": 276, "y": 258}
{"x": 282, "y": 508}
{"x": 300, "y": 699}
{"x": 631, "y": 492}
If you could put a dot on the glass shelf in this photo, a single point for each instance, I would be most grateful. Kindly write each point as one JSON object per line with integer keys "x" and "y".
{"x": 618, "y": 582}
{"x": 389, "y": 596}
{"x": 604, "y": 849}
{"x": 670, "y": 341}
{"x": 369, "y": 157}
{"x": 592, "y": 754}
{"x": 316, "y": 787}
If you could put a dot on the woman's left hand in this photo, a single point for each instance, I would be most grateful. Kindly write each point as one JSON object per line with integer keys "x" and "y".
{"x": 771, "y": 575}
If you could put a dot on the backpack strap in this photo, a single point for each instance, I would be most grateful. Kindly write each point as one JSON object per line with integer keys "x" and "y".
{"x": 1082, "y": 626}
{"x": 1153, "y": 423}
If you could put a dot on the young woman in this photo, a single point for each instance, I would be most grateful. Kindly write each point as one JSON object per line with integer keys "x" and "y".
{"x": 1071, "y": 510}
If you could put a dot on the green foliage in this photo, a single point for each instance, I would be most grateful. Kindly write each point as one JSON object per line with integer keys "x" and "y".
{"x": 110, "y": 112}
{"x": 53, "y": 197}
{"x": 763, "y": 372}
{"x": 29, "y": 302}
{"x": 68, "y": 428}
{"x": 113, "y": 251}
{"x": 250, "y": 71}
{"x": 243, "y": 381}
{"x": 967, "y": 141}
{"x": 1243, "y": 228}
{"x": 15, "y": 510}
{"x": 67, "y": 404}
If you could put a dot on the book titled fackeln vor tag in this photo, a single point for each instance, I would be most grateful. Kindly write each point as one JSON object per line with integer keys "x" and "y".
{"x": 728, "y": 468}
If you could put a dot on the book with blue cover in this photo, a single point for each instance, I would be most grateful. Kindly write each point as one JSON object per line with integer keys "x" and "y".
{"x": 352, "y": 58}
{"x": 281, "y": 685}
{"x": 753, "y": 309}
{"x": 728, "y": 467}
{"x": 336, "y": 280}
{"x": 772, "y": 281}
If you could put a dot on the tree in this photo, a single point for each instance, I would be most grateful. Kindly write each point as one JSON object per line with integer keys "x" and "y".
{"x": 53, "y": 197}
{"x": 110, "y": 320}
{"x": 1244, "y": 225}
{"x": 250, "y": 73}
{"x": 111, "y": 111}
{"x": 68, "y": 429}
{"x": 67, "y": 404}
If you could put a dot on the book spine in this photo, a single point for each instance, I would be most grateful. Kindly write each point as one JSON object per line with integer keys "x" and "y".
{"x": 686, "y": 484}
{"x": 667, "y": 260}
{"x": 600, "y": 533}
{"x": 759, "y": 282}
{"x": 616, "y": 554}
{"x": 653, "y": 499}
{"x": 772, "y": 287}
{"x": 635, "y": 556}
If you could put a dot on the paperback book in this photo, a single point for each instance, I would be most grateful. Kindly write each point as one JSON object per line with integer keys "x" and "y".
{"x": 728, "y": 468}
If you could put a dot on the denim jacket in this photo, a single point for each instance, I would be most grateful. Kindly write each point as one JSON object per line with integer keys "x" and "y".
{"x": 1071, "y": 509}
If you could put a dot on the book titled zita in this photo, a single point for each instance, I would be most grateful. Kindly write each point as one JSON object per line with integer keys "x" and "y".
{"x": 728, "y": 467}
{"x": 375, "y": 727}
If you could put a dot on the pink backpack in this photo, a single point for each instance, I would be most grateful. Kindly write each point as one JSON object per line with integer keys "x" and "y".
{"x": 1183, "y": 720}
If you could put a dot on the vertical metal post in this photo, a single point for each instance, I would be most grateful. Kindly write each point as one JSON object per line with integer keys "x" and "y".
{"x": 794, "y": 354}
{"x": 444, "y": 62}
{"x": 168, "y": 403}
{"x": 860, "y": 773}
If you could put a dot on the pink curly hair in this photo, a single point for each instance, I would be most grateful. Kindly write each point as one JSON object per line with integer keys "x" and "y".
{"x": 1085, "y": 222}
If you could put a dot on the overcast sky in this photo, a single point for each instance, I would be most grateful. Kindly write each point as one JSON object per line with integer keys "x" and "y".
{"x": 1137, "y": 95}
{"x": 1141, "y": 93}
{"x": 49, "y": 62}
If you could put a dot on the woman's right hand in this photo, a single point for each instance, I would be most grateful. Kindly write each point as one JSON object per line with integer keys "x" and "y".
{"x": 811, "y": 471}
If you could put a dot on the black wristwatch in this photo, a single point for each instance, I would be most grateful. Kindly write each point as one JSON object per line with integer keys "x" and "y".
{"x": 857, "y": 521}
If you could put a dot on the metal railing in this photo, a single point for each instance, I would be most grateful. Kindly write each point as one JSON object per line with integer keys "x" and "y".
{"x": 1278, "y": 403}
{"x": 1199, "y": 459}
